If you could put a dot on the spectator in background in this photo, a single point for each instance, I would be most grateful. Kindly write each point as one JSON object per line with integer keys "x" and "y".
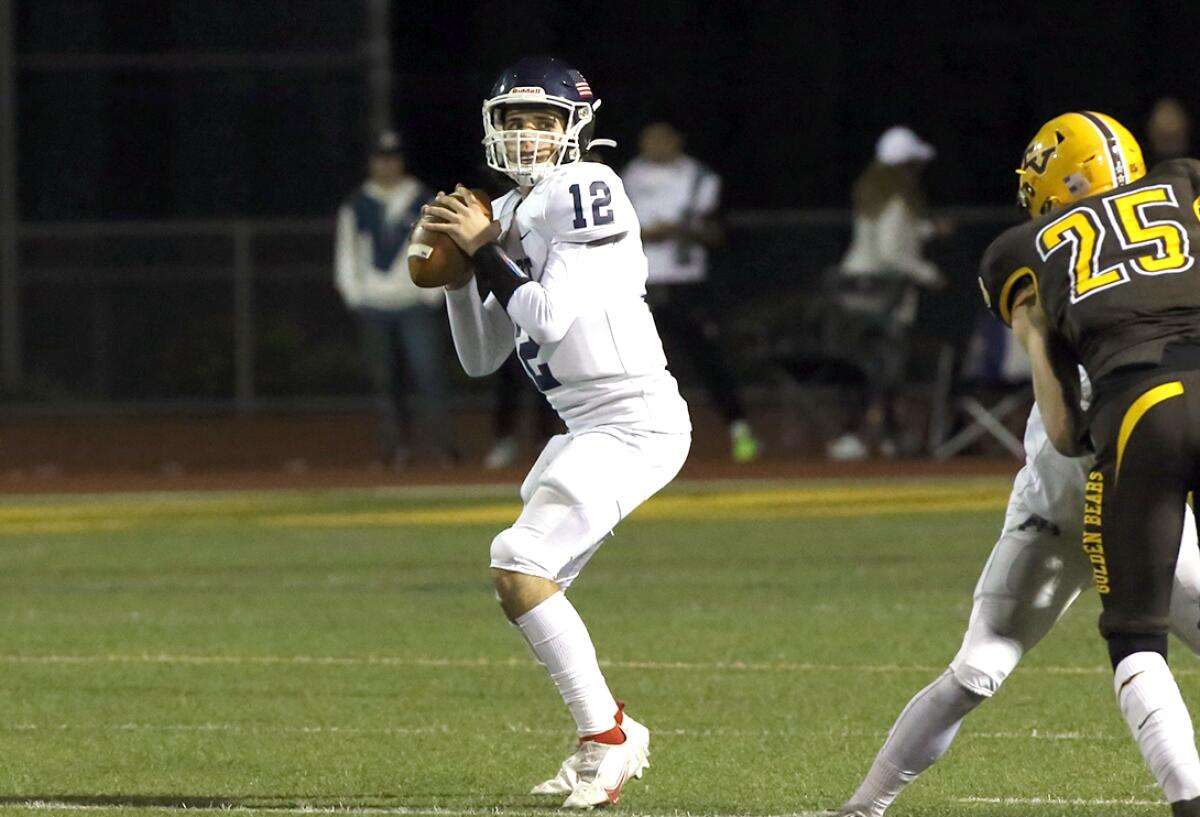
{"x": 511, "y": 383}
{"x": 676, "y": 199}
{"x": 1169, "y": 131}
{"x": 394, "y": 315}
{"x": 879, "y": 281}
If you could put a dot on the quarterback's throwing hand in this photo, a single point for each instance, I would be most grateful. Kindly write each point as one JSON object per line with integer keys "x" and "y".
{"x": 460, "y": 216}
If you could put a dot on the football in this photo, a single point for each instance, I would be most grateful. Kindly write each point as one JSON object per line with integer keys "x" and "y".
{"x": 434, "y": 260}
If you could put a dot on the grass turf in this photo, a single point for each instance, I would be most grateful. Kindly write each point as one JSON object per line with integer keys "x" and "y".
{"x": 276, "y": 652}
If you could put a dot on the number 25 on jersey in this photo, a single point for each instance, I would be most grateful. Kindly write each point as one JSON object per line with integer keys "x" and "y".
{"x": 1083, "y": 232}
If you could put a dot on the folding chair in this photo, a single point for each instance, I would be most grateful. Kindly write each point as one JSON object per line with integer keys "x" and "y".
{"x": 994, "y": 364}
{"x": 850, "y": 333}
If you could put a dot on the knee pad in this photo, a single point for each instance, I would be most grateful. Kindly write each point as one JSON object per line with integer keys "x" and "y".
{"x": 985, "y": 660}
{"x": 977, "y": 680}
{"x": 512, "y": 550}
{"x": 1123, "y": 645}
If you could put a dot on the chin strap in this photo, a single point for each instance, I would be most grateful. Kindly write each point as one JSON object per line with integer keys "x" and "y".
{"x": 601, "y": 143}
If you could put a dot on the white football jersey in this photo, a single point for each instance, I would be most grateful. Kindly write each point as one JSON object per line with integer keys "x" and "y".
{"x": 576, "y": 234}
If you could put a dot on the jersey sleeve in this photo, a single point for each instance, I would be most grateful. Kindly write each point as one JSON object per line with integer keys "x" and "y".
{"x": 482, "y": 331}
{"x": 584, "y": 202}
{"x": 1005, "y": 270}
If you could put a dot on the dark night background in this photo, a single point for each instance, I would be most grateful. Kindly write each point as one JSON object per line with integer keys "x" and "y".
{"x": 785, "y": 99}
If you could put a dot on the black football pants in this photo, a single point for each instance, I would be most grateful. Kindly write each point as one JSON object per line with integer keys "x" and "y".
{"x": 1147, "y": 438}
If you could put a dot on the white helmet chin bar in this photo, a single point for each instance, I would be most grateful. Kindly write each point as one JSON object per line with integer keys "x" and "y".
{"x": 528, "y": 156}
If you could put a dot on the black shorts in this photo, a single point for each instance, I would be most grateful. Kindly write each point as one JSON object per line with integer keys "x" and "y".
{"x": 1147, "y": 439}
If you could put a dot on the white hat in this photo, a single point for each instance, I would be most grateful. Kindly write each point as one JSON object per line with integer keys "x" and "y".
{"x": 899, "y": 144}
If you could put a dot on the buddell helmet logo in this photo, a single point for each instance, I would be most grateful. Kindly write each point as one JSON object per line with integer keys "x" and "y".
{"x": 528, "y": 91}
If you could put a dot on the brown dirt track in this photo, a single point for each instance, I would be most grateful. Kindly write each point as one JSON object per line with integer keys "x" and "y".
{"x": 257, "y": 451}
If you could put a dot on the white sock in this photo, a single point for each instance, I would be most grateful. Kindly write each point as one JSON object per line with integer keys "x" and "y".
{"x": 922, "y": 734}
{"x": 1159, "y": 721}
{"x": 562, "y": 645}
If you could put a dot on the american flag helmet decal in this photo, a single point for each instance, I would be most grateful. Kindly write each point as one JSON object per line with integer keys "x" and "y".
{"x": 581, "y": 85}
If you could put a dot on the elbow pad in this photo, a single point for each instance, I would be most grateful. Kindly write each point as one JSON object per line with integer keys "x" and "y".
{"x": 501, "y": 275}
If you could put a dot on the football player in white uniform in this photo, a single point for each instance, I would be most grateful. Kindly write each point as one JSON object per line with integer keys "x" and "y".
{"x": 1036, "y": 570}
{"x": 559, "y": 277}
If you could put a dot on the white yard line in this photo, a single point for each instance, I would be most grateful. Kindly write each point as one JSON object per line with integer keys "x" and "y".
{"x": 236, "y": 728}
{"x": 1057, "y": 801}
{"x": 518, "y": 663}
{"x": 138, "y": 804}
{"x": 660, "y": 731}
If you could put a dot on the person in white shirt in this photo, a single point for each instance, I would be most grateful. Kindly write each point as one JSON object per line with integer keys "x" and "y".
{"x": 879, "y": 281}
{"x": 560, "y": 279}
{"x": 395, "y": 317}
{"x": 676, "y": 197}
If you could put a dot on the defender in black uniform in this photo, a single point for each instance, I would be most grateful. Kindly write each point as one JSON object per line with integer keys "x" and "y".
{"x": 1105, "y": 276}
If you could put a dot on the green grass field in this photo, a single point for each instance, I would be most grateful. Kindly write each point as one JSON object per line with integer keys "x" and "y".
{"x": 285, "y": 652}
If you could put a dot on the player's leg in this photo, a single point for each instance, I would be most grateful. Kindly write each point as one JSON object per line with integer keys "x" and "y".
{"x": 526, "y": 559}
{"x": 1026, "y": 585}
{"x": 1033, "y": 574}
{"x": 1133, "y": 519}
{"x": 420, "y": 327}
{"x": 688, "y": 327}
{"x": 579, "y": 489}
{"x": 504, "y": 416}
{"x": 379, "y": 358}
{"x": 1185, "y": 592}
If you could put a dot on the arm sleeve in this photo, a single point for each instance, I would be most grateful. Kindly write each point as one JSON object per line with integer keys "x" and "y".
{"x": 346, "y": 258}
{"x": 546, "y": 309}
{"x": 483, "y": 334}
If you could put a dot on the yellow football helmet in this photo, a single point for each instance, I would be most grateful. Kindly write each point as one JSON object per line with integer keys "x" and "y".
{"x": 1076, "y": 155}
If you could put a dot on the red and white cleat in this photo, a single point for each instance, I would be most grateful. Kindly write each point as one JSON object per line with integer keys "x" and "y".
{"x": 603, "y": 769}
{"x": 596, "y": 771}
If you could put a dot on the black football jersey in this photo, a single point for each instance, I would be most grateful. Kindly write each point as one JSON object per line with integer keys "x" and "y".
{"x": 1116, "y": 272}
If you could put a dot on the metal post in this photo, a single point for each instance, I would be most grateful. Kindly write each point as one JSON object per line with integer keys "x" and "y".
{"x": 243, "y": 316}
{"x": 377, "y": 50}
{"x": 10, "y": 305}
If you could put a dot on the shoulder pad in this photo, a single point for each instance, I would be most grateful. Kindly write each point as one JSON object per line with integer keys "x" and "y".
{"x": 1186, "y": 168}
{"x": 1003, "y": 269}
{"x": 581, "y": 202}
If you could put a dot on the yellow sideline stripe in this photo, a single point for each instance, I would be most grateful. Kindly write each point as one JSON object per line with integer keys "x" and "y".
{"x": 816, "y": 501}
{"x": 776, "y": 504}
{"x": 62, "y": 526}
{"x": 1134, "y": 413}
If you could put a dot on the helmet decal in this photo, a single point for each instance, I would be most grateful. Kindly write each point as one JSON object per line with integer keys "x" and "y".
{"x": 1116, "y": 155}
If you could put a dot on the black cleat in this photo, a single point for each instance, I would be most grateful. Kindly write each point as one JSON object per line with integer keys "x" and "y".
{"x": 1186, "y": 808}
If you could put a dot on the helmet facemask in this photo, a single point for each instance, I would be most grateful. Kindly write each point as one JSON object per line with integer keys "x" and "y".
{"x": 528, "y": 156}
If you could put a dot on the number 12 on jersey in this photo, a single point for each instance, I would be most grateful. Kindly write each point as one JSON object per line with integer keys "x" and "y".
{"x": 528, "y": 352}
{"x": 1083, "y": 231}
{"x": 601, "y": 198}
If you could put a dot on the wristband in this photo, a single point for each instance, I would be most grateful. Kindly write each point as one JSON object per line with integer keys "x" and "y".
{"x": 498, "y": 272}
